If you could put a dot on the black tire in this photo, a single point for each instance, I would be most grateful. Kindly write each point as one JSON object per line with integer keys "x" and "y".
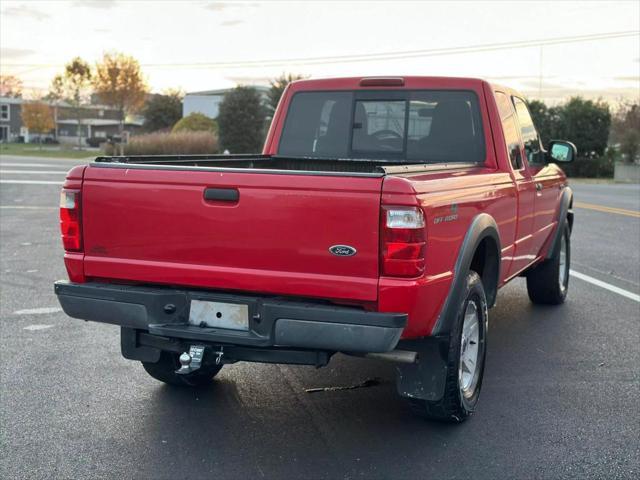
{"x": 458, "y": 403}
{"x": 544, "y": 284}
{"x": 164, "y": 370}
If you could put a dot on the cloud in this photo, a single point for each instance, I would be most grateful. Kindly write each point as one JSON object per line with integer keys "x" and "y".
{"x": 220, "y": 6}
{"x": 231, "y": 23}
{"x": 556, "y": 95}
{"x": 15, "y": 53}
{"x": 25, "y": 11}
{"x": 98, "y": 4}
{"x": 533, "y": 84}
{"x": 250, "y": 80}
{"x": 633, "y": 78}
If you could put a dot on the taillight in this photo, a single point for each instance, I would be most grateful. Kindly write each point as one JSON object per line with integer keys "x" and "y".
{"x": 403, "y": 241}
{"x": 70, "y": 226}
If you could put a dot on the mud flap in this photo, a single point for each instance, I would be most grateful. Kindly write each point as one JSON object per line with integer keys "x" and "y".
{"x": 426, "y": 378}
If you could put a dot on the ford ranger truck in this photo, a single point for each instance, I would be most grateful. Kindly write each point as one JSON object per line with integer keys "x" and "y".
{"x": 380, "y": 220}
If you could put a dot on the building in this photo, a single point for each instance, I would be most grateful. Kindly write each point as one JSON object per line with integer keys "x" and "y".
{"x": 96, "y": 122}
{"x": 10, "y": 118}
{"x": 208, "y": 102}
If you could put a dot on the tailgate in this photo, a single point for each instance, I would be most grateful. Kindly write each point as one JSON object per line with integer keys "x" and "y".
{"x": 155, "y": 226}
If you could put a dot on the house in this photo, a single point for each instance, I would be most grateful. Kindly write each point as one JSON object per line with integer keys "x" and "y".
{"x": 96, "y": 122}
{"x": 95, "y": 128}
{"x": 208, "y": 102}
{"x": 10, "y": 118}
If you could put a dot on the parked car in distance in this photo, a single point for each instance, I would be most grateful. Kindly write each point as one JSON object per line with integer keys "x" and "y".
{"x": 380, "y": 220}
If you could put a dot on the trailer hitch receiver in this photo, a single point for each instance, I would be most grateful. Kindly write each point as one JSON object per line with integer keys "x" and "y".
{"x": 192, "y": 360}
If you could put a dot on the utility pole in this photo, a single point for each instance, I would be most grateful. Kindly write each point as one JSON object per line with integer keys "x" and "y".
{"x": 540, "y": 77}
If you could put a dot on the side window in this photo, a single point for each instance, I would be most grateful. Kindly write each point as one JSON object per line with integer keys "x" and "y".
{"x": 510, "y": 130}
{"x": 527, "y": 131}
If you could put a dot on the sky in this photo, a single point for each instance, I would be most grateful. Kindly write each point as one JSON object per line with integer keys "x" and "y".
{"x": 588, "y": 48}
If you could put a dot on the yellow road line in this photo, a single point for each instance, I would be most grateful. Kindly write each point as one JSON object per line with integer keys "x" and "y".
{"x": 602, "y": 208}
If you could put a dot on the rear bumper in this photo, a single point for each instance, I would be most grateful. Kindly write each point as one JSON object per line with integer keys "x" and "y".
{"x": 273, "y": 322}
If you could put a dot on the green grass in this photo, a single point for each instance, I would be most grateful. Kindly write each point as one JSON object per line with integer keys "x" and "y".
{"x": 48, "y": 151}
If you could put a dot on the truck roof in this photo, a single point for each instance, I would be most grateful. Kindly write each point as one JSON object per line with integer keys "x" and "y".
{"x": 386, "y": 82}
{"x": 408, "y": 82}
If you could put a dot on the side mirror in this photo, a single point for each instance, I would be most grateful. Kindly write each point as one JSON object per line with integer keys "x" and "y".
{"x": 561, "y": 151}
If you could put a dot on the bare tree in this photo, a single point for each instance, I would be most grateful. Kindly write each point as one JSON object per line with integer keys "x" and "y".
{"x": 10, "y": 86}
{"x": 74, "y": 87}
{"x": 119, "y": 83}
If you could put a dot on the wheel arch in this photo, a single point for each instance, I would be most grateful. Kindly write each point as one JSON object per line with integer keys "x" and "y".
{"x": 480, "y": 249}
{"x": 565, "y": 210}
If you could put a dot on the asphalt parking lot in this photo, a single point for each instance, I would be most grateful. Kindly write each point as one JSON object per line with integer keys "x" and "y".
{"x": 559, "y": 400}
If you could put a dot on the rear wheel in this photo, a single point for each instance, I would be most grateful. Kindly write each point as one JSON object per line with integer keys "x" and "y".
{"x": 165, "y": 371}
{"x": 466, "y": 357}
{"x": 548, "y": 282}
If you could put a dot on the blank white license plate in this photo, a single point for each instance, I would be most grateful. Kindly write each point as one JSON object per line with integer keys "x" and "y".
{"x": 232, "y": 316}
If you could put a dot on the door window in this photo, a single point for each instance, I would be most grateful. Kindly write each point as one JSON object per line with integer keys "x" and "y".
{"x": 510, "y": 130}
{"x": 530, "y": 137}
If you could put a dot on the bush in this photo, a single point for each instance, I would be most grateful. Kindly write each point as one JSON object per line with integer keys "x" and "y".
{"x": 195, "y": 122}
{"x": 181, "y": 143}
{"x": 95, "y": 141}
{"x": 161, "y": 112}
{"x": 242, "y": 120}
{"x": 593, "y": 167}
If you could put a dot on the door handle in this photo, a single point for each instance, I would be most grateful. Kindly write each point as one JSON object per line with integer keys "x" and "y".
{"x": 538, "y": 187}
{"x": 221, "y": 194}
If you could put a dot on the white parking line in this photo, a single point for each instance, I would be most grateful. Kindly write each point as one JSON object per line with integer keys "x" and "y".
{"x": 33, "y": 172}
{"x": 37, "y": 311}
{"x": 37, "y": 327}
{"x": 26, "y": 207}
{"x": 31, "y": 182}
{"x": 605, "y": 285}
{"x": 33, "y": 165}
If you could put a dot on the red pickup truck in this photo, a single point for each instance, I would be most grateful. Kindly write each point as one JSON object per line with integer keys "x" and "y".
{"x": 380, "y": 220}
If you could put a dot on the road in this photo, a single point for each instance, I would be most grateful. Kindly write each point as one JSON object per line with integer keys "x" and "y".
{"x": 559, "y": 398}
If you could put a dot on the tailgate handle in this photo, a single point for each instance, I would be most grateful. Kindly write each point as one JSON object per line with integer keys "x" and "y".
{"x": 221, "y": 194}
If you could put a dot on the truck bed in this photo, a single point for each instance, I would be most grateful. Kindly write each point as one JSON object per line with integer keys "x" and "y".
{"x": 275, "y": 164}
{"x": 255, "y": 162}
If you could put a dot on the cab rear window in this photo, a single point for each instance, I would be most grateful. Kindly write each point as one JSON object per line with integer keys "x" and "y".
{"x": 422, "y": 126}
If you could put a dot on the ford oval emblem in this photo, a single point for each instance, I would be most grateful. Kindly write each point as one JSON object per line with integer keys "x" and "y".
{"x": 343, "y": 250}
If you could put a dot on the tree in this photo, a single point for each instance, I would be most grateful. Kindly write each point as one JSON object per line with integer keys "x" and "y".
{"x": 118, "y": 83}
{"x": 583, "y": 122}
{"x": 10, "y": 86}
{"x": 542, "y": 120}
{"x": 195, "y": 122}
{"x": 586, "y": 123}
{"x": 74, "y": 87}
{"x": 37, "y": 117}
{"x": 242, "y": 120}
{"x": 625, "y": 131}
{"x": 277, "y": 88}
{"x": 162, "y": 111}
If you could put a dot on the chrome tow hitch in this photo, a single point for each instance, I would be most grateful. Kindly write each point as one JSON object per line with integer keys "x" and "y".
{"x": 191, "y": 361}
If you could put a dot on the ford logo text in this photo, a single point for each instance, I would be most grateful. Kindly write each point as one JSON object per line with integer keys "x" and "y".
{"x": 343, "y": 250}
